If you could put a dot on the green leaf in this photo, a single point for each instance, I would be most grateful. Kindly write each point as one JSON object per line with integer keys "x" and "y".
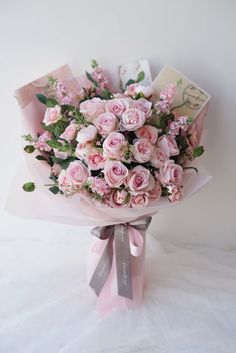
{"x": 106, "y": 94}
{"x": 54, "y": 144}
{"x": 29, "y": 187}
{"x": 182, "y": 143}
{"x": 51, "y": 102}
{"x": 141, "y": 76}
{"x": 41, "y": 158}
{"x": 59, "y": 128}
{"x": 94, "y": 64}
{"x": 41, "y": 98}
{"x": 179, "y": 82}
{"x": 64, "y": 163}
{"x": 130, "y": 82}
{"x": 139, "y": 95}
{"x": 29, "y": 149}
{"x": 198, "y": 151}
{"x": 91, "y": 79}
{"x": 54, "y": 189}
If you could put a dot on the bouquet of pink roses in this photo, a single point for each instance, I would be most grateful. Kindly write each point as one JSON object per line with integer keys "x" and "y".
{"x": 105, "y": 148}
{"x": 119, "y": 149}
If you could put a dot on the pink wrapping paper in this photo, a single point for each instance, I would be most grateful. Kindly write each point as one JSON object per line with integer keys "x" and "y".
{"x": 42, "y": 204}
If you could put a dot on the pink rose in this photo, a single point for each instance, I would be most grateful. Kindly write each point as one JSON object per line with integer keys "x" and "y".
{"x": 86, "y": 134}
{"x": 168, "y": 145}
{"x": 155, "y": 192}
{"x": 77, "y": 173}
{"x": 143, "y": 150}
{"x": 41, "y": 143}
{"x": 139, "y": 201}
{"x": 148, "y": 132}
{"x": 56, "y": 169}
{"x": 144, "y": 105}
{"x": 138, "y": 179}
{"x": 70, "y": 132}
{"x": 82, "y": 150}
{"x": 61, "y": 154}
{"x": 132, "y": 119}
{"x": 114, "y": 145}
{"x": 120, "y": 198}
{"x": 135, "y": 88}
{"x": 175, "y": 193}
{"x": 117, "y": 106}
{"x": 115, "y": 173}
{"x": 95, "y": 159}
{"x": 92, "y": 108}
{"x": 106, "y": 123}
{"x": 170, "y": 173}
{"x": 64, "y": 183}
{"x": 52, "y": 115}
{"x": 158, "y": 158}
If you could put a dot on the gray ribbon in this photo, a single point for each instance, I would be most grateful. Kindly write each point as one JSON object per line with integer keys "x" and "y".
{"x": 117, "y": 234}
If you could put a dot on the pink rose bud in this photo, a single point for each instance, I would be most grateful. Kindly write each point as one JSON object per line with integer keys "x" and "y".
{"x": 143, "y": 150}
{"x": 106, "y": 123}
{"x": 117, "y": 106}
{"x": 52, "y": 115}
{"x": 114, "y": 145}
{"x": 148, "y": 132}
{"x": 115, "y": 173}
{"x": 86, "y": 134}
{"x": 132, "y": 119}
{"x": 92, "y": 108}
{"x": 70, "y": 132}
{"x": 168, "y": 145}
{"x": 170, "y": 173}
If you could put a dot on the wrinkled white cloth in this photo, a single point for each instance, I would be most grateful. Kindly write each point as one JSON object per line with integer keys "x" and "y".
{"x": 189, "y": 304}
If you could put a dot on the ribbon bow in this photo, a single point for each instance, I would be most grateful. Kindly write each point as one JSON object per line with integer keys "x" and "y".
{"x": 128, "y": 242}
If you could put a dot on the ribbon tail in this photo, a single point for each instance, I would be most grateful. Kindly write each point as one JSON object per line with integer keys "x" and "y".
{"x": 123, "y": 261}
{"x": 103, "y": 268}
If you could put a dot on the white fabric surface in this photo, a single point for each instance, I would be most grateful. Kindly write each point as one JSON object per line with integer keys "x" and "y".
{"x": 189, "y": 304}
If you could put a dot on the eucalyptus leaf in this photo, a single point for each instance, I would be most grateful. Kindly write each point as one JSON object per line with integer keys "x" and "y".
{"x": 54, "y": 189}
{"x": 29, "y": 187}
{"x": 91, "y": 79}
{"x": 51, "y": 102}
{"x": 141, "y": 76}
{"x": 198, "y": 151}
{"x": 41, "y": 98}
{"x": 29, "y": 149}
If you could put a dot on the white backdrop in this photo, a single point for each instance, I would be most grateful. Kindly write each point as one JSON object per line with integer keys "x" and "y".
{"x": 197, "y": 37}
